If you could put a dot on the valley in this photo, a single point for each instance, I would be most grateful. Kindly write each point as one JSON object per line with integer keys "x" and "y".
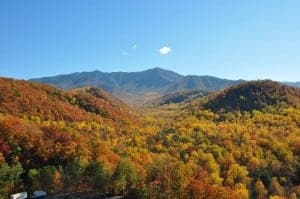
{"x": 155, "y": 99}
{"x": 238, "y": 142}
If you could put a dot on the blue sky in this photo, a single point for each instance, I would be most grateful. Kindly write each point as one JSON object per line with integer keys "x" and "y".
{"x": 251, "y": 39}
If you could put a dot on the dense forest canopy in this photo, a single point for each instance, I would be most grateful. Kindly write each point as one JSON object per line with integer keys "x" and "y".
{"x": 253, "y": 95}
{"x": 241, "y": 142}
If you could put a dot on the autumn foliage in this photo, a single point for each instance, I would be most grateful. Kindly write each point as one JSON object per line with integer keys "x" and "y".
{"x": 86, "y": 140}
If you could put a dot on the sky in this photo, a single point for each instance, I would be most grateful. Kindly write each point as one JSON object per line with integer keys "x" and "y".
{"x": 244, "y": 39}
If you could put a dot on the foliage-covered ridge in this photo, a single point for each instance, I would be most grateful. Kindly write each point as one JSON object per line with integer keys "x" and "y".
{"x": 252, "y": 95}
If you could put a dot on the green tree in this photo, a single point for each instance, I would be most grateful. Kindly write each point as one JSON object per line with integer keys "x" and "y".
{"x": 125, "y": 178}
{"x": 9, "y": 177}
{"x": 33, "y": 179}
{"x": 96, "y": 175}
{"x": 74, "y": 173}
{"x": 47, "y": 175}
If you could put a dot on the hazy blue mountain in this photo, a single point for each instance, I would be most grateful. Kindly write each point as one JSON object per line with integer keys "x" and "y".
{"x": 138, "y": 87}
{"x": 193, "y": 82}
{"x": 294, "y": 84}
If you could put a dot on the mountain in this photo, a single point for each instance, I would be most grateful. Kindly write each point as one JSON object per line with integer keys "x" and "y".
{"x": 86, "y": 143}
{"x": 180, "y": 96}
{"x": 193, "y": 82}
{"x": 137, "y": 87}
{"x": 23, "y": 98}
{"x": 252, "y": 95}
{"x": 295, "y": 84}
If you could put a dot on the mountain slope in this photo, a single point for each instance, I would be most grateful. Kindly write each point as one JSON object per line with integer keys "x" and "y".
{"x": 34, "y": 99}
{"x": 193, "y": 82}
{"x": 97, "y": 101}
{"x": 44, "y": 144}
{"x": 180, "y": 96}
{"x": 253, "y": 95}
{"x": 137, "y": 87}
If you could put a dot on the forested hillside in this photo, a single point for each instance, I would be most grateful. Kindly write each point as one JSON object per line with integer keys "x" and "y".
{"x": 22, "y": 98}
{"x": 253, "y": 95}
{"x": 242, "y": 142}
{"x": 179, "y": 97}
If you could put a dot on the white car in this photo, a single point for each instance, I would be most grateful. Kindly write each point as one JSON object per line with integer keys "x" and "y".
{"x": 22, "y": 195}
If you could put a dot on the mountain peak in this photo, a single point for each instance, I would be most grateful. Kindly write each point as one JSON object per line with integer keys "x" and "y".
{"x": 158, "y": 69}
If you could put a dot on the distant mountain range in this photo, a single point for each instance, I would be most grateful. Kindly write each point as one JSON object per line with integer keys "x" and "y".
{"x": 294, "y": 84}
{"x": 138, "y": 87}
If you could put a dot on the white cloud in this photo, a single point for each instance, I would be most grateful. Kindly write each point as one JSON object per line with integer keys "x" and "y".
{"x": 165, "y": 50}
{"x": 124, "y": 53}
{"x": 134, "y": 46}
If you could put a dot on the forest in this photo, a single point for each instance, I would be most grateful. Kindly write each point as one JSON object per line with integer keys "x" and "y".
{"x": 241, "y": 142}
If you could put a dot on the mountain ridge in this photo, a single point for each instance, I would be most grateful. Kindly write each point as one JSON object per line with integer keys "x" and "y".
{"x": 138, "y": 87}
{"x": 20, "y": 97}
{"x": 252, "y": 95}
